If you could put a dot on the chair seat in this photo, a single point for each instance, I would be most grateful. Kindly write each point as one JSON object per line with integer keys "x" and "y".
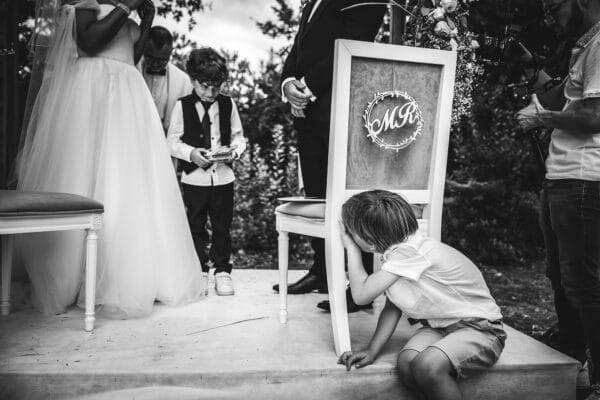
{"x": 15, "y": 203}
{"x": 314, "y": 211}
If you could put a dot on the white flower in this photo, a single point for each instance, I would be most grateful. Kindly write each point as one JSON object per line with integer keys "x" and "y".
{"x": 453, "y": 44}
{"x": 442, "y": 29}
{"x": 449, "y": 5}
{"x": 438, "y": 14}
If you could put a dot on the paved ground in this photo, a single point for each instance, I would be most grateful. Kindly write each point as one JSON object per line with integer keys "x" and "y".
{"x": 234, "y": 347}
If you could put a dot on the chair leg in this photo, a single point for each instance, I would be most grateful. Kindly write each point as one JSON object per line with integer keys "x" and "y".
{"x": 90, "y": 278}
{"x": 7, "y": 242}
{"x": 336, "y": 282}
{"x": 283, "y": 256}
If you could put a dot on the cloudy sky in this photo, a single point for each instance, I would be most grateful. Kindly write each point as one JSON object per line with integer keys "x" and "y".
{"x": 230, "y": 24}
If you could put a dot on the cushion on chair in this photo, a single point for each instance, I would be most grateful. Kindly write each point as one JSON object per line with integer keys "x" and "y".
{"x": 304, "y": 210}
{"x": 14, "y": 203}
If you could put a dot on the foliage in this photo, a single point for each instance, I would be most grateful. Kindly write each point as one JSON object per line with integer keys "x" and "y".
{"x": 493, "y": 180}
{"x": 269, "y": 169}
{"x": 491, "y": 191}
{"x": 490, "y": 209}
{"x": 182, "y": 9}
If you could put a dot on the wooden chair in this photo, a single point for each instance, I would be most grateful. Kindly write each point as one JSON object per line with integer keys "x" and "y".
{"x": 407, "y": 158}
{"x": 28, "y": 212}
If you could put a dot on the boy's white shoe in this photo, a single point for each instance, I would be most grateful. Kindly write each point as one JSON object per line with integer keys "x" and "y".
{"x": 223, "y": 284}
{"x": 205, "y": 282}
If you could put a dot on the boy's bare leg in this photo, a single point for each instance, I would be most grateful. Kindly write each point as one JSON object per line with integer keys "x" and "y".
{"x": 433, "y": 374}
{"x": 404, "y": 369}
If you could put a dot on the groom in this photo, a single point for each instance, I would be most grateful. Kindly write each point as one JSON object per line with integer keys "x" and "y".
{"x": 306, "y": 84}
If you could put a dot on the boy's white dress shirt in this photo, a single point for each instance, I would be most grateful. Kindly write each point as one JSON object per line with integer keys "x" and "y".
{"x": 218, "y": 173}
{"x": 437, "y": 283}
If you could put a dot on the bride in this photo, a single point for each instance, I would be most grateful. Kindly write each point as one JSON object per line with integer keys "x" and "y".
{"x": 94, "y": 131}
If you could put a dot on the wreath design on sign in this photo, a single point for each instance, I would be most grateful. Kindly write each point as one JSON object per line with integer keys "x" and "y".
{"x": 404, "y": 115}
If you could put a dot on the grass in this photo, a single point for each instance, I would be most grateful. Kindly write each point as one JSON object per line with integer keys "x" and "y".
{"x": 525, "y": 297}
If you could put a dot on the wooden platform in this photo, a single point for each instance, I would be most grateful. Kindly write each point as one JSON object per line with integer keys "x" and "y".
{"x": 234, "y": 347}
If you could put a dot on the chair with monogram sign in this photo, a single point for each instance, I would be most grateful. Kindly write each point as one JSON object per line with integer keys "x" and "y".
{"x": 390, "y": 125}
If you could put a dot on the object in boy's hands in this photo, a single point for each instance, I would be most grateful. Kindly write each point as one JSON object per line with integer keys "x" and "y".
{"x": 222, "y": 153}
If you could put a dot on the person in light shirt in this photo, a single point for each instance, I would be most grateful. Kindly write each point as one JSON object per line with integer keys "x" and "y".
{"x": 570, "y": 201}
{"x": 166, "y": 82}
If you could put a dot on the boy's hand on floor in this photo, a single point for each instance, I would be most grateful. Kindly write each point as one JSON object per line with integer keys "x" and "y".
{"x": 359, "y": 359}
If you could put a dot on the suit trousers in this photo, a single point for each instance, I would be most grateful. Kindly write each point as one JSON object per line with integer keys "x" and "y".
{"x": 216, "y": 203}
{"x": 313, "y": 146}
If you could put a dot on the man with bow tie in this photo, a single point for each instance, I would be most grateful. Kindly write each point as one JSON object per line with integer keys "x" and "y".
{"x": 166, "y": 82}
{"x": 307, "y": 79}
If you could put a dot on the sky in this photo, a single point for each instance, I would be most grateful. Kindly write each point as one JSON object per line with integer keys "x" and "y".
{"x": 230, "y": 25}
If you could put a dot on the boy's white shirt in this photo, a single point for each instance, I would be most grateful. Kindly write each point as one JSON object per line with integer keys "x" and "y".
{"x": 219, "y": 173}
{"x": 437, "y": 283}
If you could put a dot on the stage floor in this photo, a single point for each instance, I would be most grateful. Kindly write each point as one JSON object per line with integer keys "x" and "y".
{"x": 235, "y": 347}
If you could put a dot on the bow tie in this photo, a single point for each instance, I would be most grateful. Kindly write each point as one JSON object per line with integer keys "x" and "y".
{"x": 196, "y": 99}
{"x": 161, "y": 72}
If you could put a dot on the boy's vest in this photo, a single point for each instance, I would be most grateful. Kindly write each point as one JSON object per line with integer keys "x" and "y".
{"x": 194, "y": 135}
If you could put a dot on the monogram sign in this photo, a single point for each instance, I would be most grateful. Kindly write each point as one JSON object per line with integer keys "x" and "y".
{"x": 393, "y": 120}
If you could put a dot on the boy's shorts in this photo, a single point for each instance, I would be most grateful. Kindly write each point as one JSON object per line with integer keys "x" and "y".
{"x": 470, "y": 344}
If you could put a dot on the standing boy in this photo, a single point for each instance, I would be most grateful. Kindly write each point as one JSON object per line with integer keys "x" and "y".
{"x": 203, "y": 121}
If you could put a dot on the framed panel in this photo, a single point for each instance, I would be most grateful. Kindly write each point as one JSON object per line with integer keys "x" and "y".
{"x": 405, "y": 151}
{"x": 376, "y": 109}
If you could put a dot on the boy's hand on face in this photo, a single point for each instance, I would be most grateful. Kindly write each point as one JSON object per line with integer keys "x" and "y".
{"x": 347, "y": 240}
{"x": 359, "y": 359}
{"x": 198, "y": 157}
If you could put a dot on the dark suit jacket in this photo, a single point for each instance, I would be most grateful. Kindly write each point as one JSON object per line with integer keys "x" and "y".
{"x": 311, "y": 55}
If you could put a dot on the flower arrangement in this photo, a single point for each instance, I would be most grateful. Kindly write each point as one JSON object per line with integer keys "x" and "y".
{"x": 443, "y": 24}
{"x": 439, "y": 24}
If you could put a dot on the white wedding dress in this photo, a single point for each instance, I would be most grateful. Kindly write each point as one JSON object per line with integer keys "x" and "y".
{"x": 98, "y": 134}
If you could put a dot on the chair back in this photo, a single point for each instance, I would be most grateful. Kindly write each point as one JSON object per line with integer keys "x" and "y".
{"x": 390, "y": 125}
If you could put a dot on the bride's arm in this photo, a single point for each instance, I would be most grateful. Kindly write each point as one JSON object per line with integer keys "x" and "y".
{"x": 93, "y": 34}
{"x": 146, "y": 12}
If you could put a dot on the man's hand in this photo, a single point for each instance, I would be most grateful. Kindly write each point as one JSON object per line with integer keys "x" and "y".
{"x": 198, "y": 157}
{"x": 529, "y": 117}
{"x": 297, "y": 93}
{"x": 359, "y": 359}
{"x": 298, "y": 112}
